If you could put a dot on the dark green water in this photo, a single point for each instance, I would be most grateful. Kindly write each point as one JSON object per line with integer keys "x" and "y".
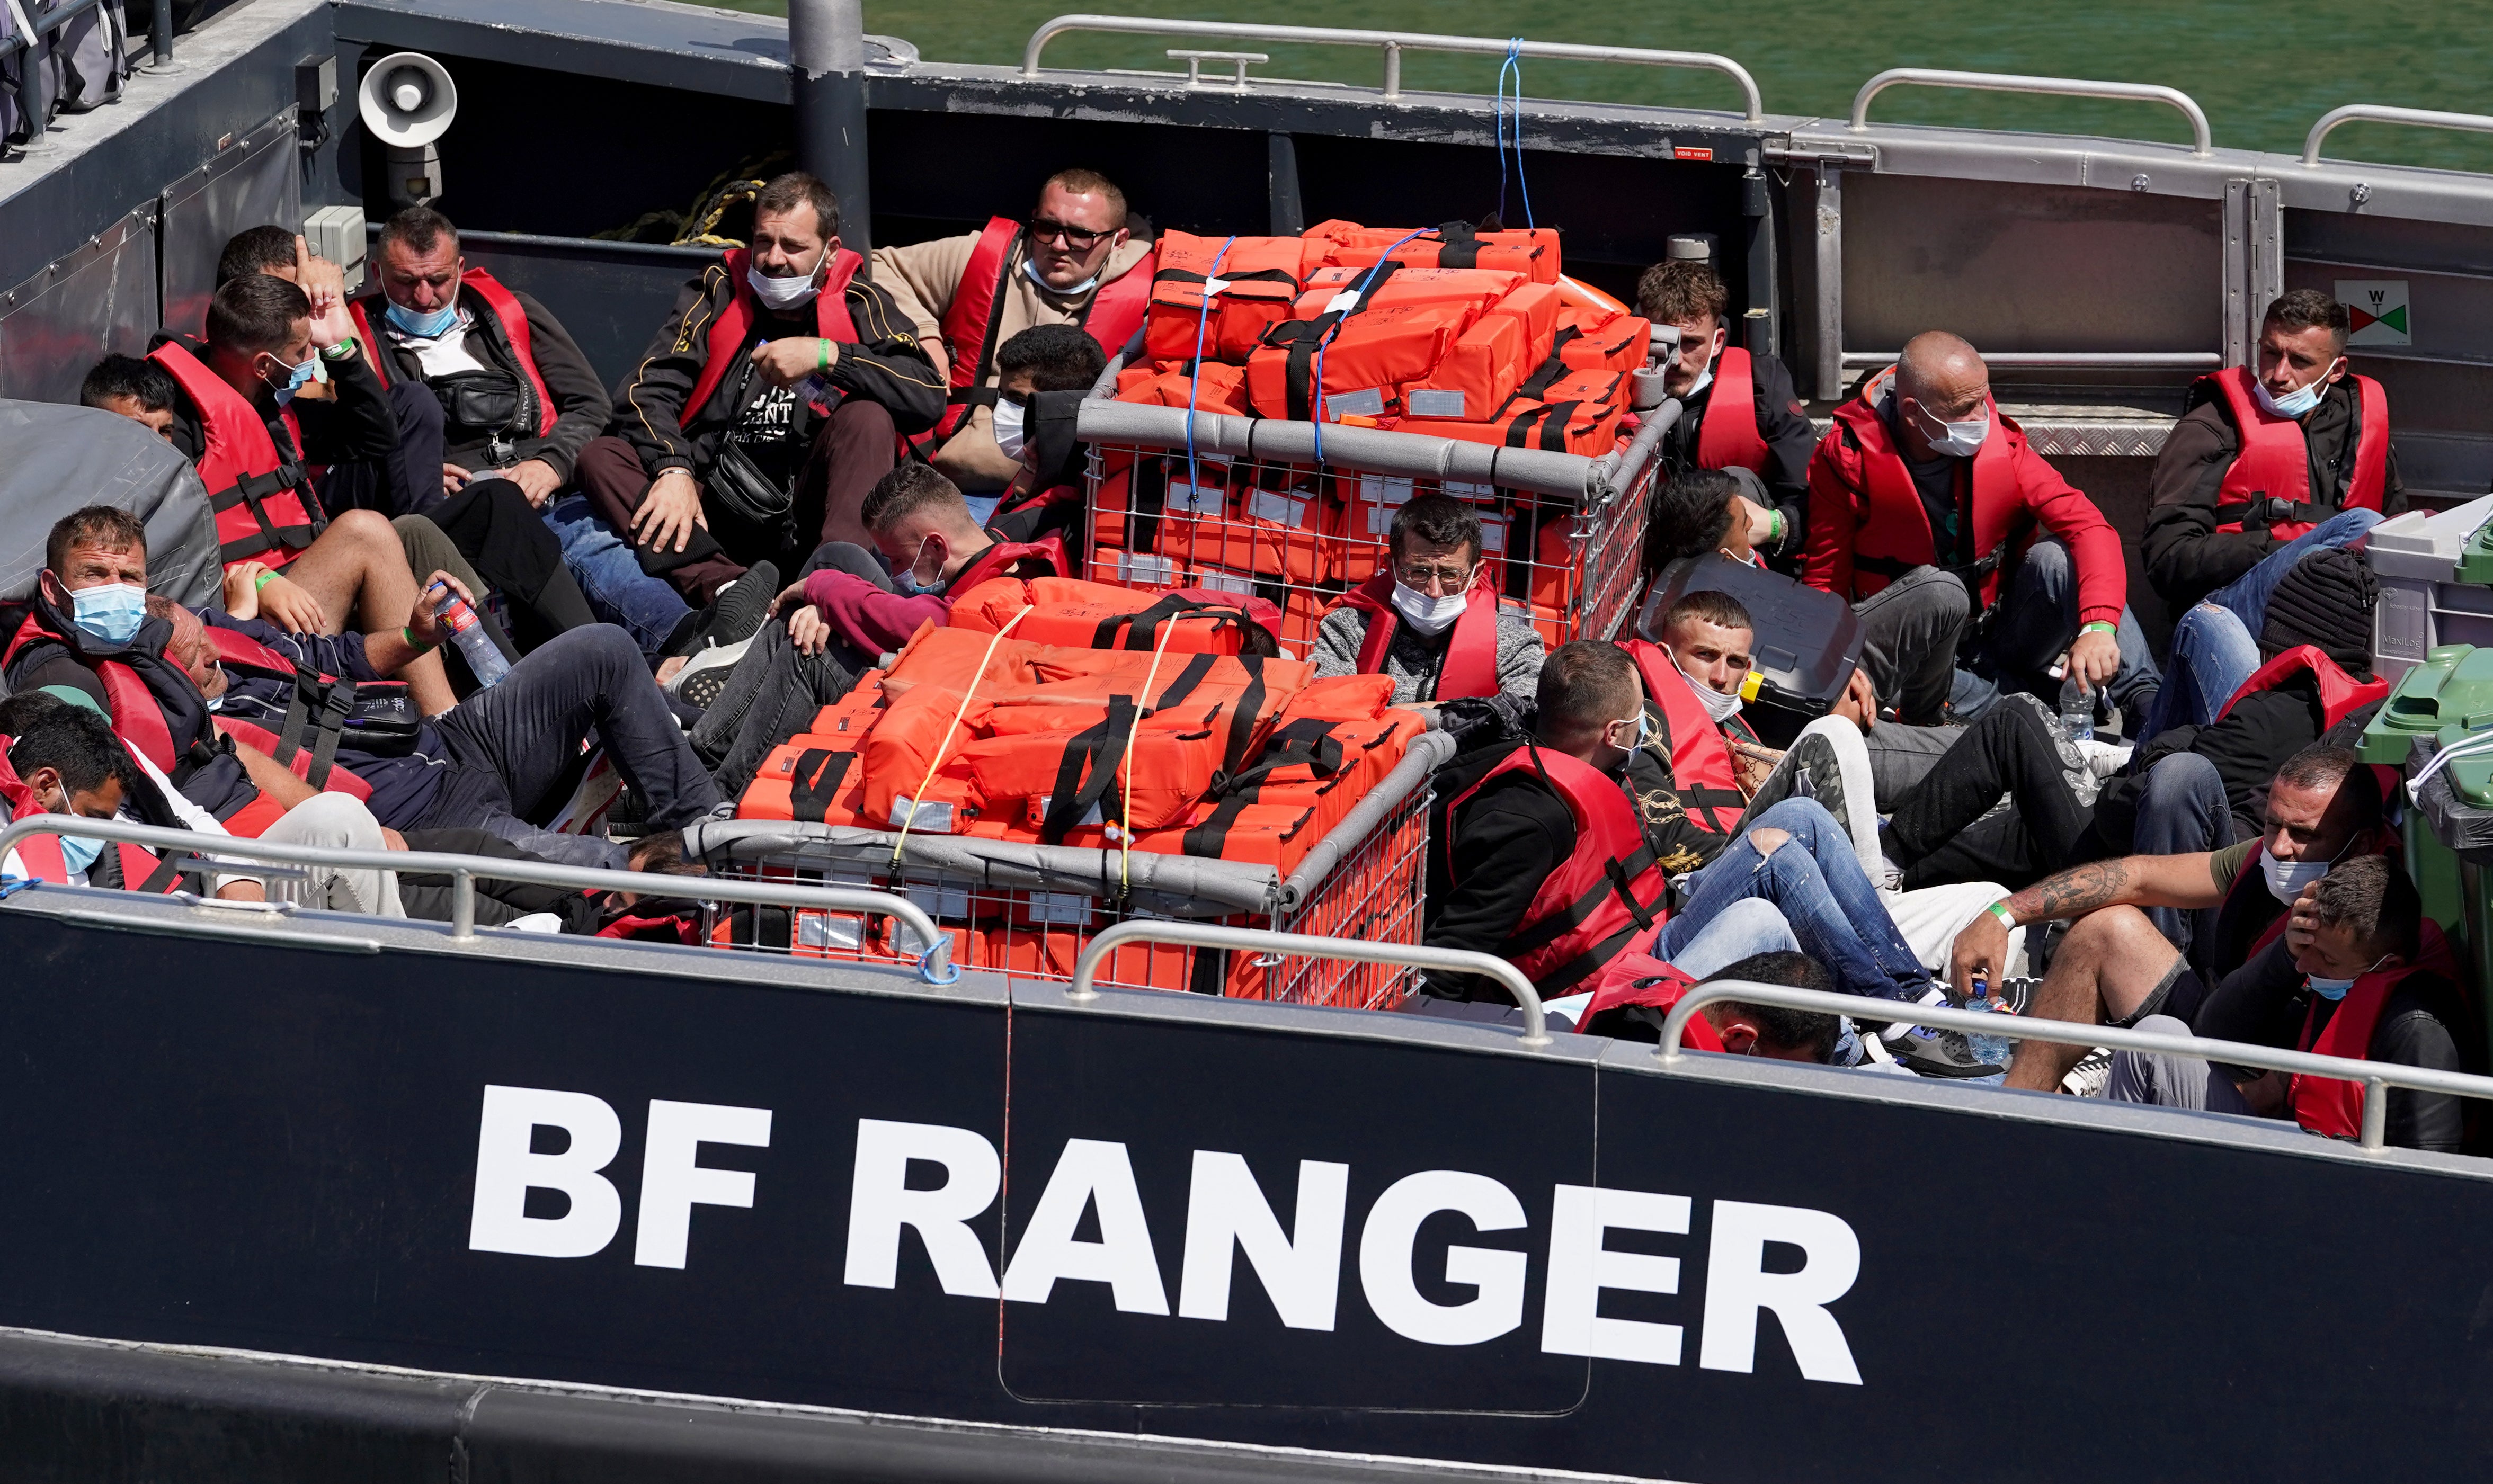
{"x": 2262, "y": 71}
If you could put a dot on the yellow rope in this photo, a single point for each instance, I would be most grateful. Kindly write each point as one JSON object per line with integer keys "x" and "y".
{"x": 937, "y": 761}
{"x": 1126, "y": 852}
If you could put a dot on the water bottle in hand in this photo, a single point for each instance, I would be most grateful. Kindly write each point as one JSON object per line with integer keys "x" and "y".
{"x": 2077, "y": 708}
{"x": 475, "y": 646}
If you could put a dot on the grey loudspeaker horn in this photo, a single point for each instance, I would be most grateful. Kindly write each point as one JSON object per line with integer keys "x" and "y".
{"x": 407, "y": 101}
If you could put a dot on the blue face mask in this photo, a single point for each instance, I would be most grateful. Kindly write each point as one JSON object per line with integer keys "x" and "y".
{"x": 2328, "y": 988}
{"x": 421, "y": 325}
{"x": 2294, "y": 404}
{"x": 295, "y": 379}
{"x": 905, "y": 581}
{"x": 111, "y": 612}
{"x": 78, "y": 854}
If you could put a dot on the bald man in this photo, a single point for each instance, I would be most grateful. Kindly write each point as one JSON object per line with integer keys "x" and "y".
{"x": 1975, "y": 568}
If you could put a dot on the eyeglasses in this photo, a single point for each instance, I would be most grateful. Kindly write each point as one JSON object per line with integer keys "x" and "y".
{"x": 1043, "y": 230}
{"x": 1418, "y": 577}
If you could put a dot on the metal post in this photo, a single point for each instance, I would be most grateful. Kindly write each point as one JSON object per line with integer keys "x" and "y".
{"x": 827, "y": 60}
{"x": 34, "y": 84}
{"x": 159, "y": 34}
{"x": 2375, "y": 1115}
{"x": 463, "y": 904}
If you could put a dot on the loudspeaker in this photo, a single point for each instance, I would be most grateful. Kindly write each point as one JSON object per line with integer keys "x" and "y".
{"x": 407, "y": 101}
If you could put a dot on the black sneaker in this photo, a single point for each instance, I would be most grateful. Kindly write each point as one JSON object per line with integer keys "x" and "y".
{"x": 734, "y": 616}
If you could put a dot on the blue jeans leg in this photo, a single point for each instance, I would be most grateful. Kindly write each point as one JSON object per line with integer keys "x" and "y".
{"x": 1818, "y": 882}
{"x": 2183, "y": 812}
{"x": 2247, "y": 594}
{"x": 1742, "y": 929}
{"x": 2213, "y": 654}
{"x": 610, "y": 575}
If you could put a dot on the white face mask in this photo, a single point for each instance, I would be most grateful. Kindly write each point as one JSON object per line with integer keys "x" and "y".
{"x": 1718, "y": 706}
{"x": 782, "y": 294}
{"x": 2294, "y": 404}
{"x": 1962, "y": 440}
{"x": 1428, "y": 615}
{"x": 1009, "y": 425}
{"x": 1030, "y": 267}
{"x": 2287, "y": 879}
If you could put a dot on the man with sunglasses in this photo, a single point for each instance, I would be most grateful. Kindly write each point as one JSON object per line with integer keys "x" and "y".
{"x": 1739, "y": 408}
{"x": 1432, "y": 618}
{"x": 1072, "y": 260}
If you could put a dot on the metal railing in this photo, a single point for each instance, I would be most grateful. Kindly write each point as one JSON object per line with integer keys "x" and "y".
{"x": 1394, "y": 43}
{"x": 2090, "y": 360}
{"x": 2377, "y": 1077}
{"x": 2203, "y": 142}
{"x": 1206, "y": 934}
{"x": 225, "y": 855}
{"x": 2383, "y": 113}
{"x": 34, "y": 82}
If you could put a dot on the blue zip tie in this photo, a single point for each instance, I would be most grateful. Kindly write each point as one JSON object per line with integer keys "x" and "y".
{"x": 1194, "y": 381}
{"x": 1365, "y": 285}
{"x": 927, "y": 968}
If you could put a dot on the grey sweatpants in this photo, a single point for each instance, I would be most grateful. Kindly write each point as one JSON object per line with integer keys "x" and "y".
{"x": 336, "y": 823}
{"x": 2167, "y": 1080}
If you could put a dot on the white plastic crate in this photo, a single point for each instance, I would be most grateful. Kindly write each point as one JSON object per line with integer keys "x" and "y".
{"x": 2422, "y": 605}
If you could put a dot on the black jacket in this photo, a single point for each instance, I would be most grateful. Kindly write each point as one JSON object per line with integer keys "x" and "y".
{"x": 1486, "y": 861}
{"x": 1783, "y": 421}
{"x": 886, "y": 365}
{"x": 2185, "y": 558}
{"x": 581, "y": 404}
{"x": 353, "y": 425}
{"x": 2252, "y": 741}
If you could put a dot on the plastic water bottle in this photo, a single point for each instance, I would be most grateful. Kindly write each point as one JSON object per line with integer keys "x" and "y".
{"x": 475, "y": 646}
{"x": 2077, "y": 709}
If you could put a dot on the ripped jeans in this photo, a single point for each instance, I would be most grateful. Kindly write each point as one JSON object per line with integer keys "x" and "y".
{"x": 1816, "y": 882}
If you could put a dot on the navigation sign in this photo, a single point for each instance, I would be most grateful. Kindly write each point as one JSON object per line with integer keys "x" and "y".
{"x": 2376, "y": 310}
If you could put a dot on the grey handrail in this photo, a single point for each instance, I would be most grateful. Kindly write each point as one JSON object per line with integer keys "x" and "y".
{"x": 2374, "y": 1076}
{"x": 463, "y": 870}
{"x": 2101, "y": 360}
{"x": 34, "y": 85}
{"x": 1394, "y": 44}
{"x": 2204, "y": 143}
{"x": 1208, "y": 934}
{"x": 2383, "y": 113}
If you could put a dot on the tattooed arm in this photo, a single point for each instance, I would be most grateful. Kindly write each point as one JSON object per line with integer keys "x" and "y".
{"x": 1981, "y": 948}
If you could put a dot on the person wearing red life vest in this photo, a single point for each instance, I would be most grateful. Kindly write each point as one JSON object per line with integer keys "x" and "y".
{"x": 1073, "y": 260}
{"x": 847, "y": 606}
{"x": 2357, "y": 973}
{"x": 768, "y": 404}
{"x": 1638, "y": 994}
{"x": 236, "y": 417}
{"x": 2268, "y": 461}
{"x": 1973, "y": 565}
{"x": 1740, "y": 410}
{"x": 1432, "y": 618}
{"x": 2114, "y": 967}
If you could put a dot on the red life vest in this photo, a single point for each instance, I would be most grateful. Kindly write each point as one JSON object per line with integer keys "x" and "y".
{"x": 2341, "y": 695}
{"x": 1728, "y": 436}
{"x": 40, "y": 855}
{"x": 735, "y": 322}
{"x": 1702, "y": 769}
{"x": 1605, "y": 899}
{"x": 1894, "y": 535}
{"x": 970, "y": 325}
{"x": 2274, "y": 462}
{"x": 265, "y": 511}
{"x": 315, "y": 718}
{"x": 1000, "y": 560}
{"x": 2330, "y": 1105}
{"x": 1641, "y": 979}
{"x": 137, "y": 717}
{"x": 504, "y": 305}
{"x": 1471, "y": 652}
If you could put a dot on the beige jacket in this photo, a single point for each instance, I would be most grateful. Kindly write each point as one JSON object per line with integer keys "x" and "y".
{"x": 921, "y": 277}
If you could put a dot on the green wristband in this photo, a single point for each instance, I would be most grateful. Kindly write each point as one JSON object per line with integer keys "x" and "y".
{"x": 1775, "y": 527}
{"x": 414, "y": 643}
{"x": 2096, "y": 627}
{"x": 2000, "y": 909}
{"x": 263, "y": 581}
{"x": 823, "y": 355}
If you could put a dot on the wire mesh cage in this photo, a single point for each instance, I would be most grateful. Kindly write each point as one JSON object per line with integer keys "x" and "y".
{"x": 1028, "y": 911}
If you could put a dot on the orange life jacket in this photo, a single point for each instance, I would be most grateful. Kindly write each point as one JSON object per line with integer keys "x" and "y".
{"x": 266, "y": 508}
{"x": 2331, "y": 1105}
{"x": 1076, "y": 614}
{"x": 1701, "y": 770}
{"x": 970, "y": 325}
{"x": 1729, "y": 437}
{"x": 735, "y": 321}
{"x": 1607, "y": 897}
{"x": 2268, "y": 484}
{"x": 1259, "y": 279}
{"x": 1894, "y": 535}
{"x": 1531, "y": 251}
{"x": 1471, "y": 651}
{"x": 507, "y": 312}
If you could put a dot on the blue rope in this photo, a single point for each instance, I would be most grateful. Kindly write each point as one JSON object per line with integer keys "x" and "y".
{"x": 1513, "y": 65}
{"x": 927, "y": 968}
{"x": 1194, "y": 376}
{"x": 1365, "y": 283}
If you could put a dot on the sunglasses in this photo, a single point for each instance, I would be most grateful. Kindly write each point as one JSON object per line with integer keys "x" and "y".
{"x": 1041, "y": 229}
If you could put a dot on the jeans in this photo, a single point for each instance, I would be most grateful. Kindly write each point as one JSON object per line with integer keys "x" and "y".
{"x": 2039, "y": 619}
{"x": 2246, "y": 596}
{"x": 510, "y": 746}
{"x": 609, "y": 574}
{"x": 1818, "y": 881}
{"x": 2183, "y": 812}
{"x": 2213, "y": 654}
{"x": 1909, "y": 630}
{"x": 772, "y": 694}
{"x": 1743, "y": 930}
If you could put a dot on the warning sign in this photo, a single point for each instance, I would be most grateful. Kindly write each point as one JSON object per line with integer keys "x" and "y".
{"x": 2376, "y": 310}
